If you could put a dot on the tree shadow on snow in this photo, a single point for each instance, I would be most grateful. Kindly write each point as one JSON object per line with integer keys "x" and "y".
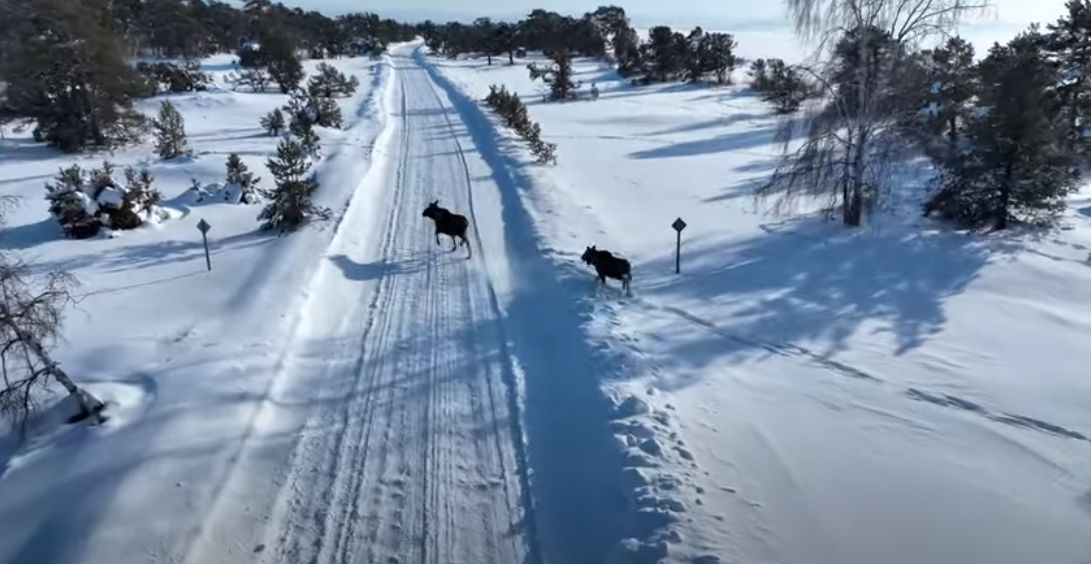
{"x": 738, "y": 191}
{"x": 795, "y": 285}
{"x": 737, "y": 140}
{"x": 29, "y": 235}
{"x": 141, "y": 255}
{"x": 725, "y": 121}
{"x": 26, "y": 149}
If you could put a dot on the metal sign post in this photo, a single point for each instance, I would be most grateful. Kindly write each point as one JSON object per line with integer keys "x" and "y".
{"x": 204, "y": 227}
{"x": 678, "y": 226}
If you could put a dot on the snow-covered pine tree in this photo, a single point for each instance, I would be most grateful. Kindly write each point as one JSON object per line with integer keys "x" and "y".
{"x": 72, "y": 203}
{"x": 290, "y": 204}
{"x": 170, "y": 132}
{"x": 140, "y": 191}
{"x": 241, "y": 182}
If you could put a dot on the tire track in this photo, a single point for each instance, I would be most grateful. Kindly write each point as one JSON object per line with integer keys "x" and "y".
{"x": 409, "y": 453}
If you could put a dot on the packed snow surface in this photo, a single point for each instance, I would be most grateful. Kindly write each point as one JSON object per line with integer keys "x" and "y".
{"x": 355, "y": 392}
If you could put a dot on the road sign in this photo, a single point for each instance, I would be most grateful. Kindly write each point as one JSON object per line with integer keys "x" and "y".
{"x": 204, "y": 227}
{"x": 678, "y": 226}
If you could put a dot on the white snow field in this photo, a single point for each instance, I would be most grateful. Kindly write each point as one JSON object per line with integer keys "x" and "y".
{"x": 354, "y": 393}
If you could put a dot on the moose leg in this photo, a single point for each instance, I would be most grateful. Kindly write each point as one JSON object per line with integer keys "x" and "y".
{"x": 437, "y": 237}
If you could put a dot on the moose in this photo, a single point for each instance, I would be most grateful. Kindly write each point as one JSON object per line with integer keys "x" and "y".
{"x": 449, "y": 224}
{"x": 607, "y": 265}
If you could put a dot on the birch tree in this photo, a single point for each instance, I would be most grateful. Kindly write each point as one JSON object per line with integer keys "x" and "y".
{"x": 842, "y": 147}
{"x": 31, "y": 312}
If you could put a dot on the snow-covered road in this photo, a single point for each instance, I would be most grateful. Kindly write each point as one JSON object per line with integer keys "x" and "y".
{"x": 410, "y": 452}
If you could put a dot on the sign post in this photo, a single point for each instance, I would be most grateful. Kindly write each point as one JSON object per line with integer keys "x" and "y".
{"x": 204, "y": 227}
{"x": 678, "y": 226}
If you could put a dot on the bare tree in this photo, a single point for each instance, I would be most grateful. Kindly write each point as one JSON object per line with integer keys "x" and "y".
{"x": 31, "y": 311}
{"x": 860, "y": 65}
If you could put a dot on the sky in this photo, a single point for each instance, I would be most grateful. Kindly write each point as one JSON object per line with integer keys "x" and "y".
{"x": 731, "y": 14}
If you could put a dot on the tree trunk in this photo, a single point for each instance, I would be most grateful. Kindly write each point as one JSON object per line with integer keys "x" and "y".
{"x": 90, "y": 406}
{"x": 1005, "y": 198}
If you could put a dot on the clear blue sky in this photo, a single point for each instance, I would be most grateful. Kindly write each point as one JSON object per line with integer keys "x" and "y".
{"x": 735, "y": 14}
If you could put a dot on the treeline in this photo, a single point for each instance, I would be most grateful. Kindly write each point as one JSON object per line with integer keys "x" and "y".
{"x": 74, "y": 67}
{"x": 604, "y": 34}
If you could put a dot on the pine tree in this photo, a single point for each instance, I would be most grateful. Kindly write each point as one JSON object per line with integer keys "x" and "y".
{"x": 72, "y": 81}
{"x": 327, "y": 112}
{"x": 281, "y": 61}
{"x": 72, "y": 203}
{"x": 558, "y": 75}
{"x": 1018, "y": 166}
{"x": 331, "y": 83}
{"x": 273, "y": 123}
{"x": 786, "y": 89}
{"x": 244, "y": 181}
{"x": 759, "y": 75}
{"x": 290, "y": 204}
{"x": 141, "y": 192}
{"x": 664, "y": 53}
{"x": 170, "y": 132}
{"x": 697, "y": 55}
{"x": 626, "y": 47}
{"x": 309, "y": 140}
{"x": 721, "y": 56}
{"x": 952, "y": 85}
{"x": 1068, "y": 41}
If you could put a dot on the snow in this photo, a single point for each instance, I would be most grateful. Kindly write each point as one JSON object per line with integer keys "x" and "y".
{"x": 353, "y": 392}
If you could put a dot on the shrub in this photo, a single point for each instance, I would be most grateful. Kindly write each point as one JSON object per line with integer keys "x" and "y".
{"x": 514, "y": 113}
{"x": 164, "y": 77}
{"x": 84, "y": 202}
{"x": 242, "y": 185}
{"x": 779, "y": 84}
{"x": 256, "y": 79}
